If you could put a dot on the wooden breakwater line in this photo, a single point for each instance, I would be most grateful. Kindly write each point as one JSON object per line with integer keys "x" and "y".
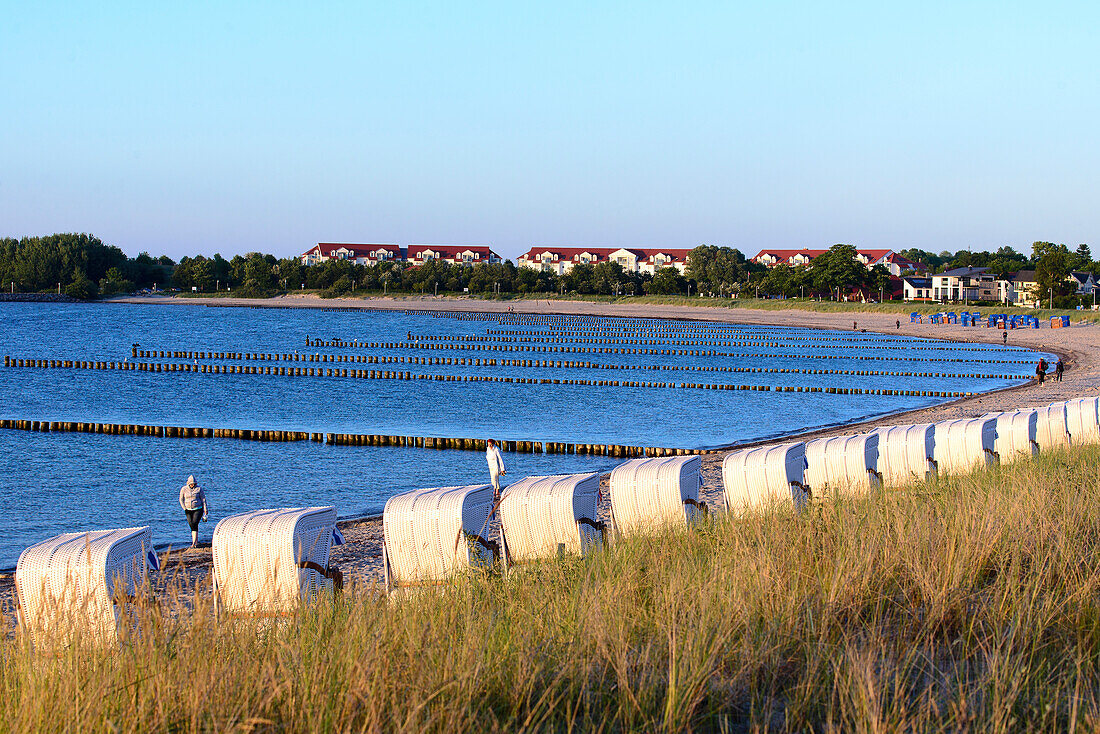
{"x": 151, "y": 367}
{"x": 557, "y": 339}
{"x": 345, "y": 439}
{"x": 336, "y": 343}
{"x": 550, "y": 364}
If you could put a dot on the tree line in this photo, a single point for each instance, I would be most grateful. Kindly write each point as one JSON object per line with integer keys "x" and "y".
{"x": 84, "y": 267}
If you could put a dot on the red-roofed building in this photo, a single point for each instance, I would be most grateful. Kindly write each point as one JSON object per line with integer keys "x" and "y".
{"x": 560, "y": 260}
{"x": 771, "y": 258}
{"x": 415, "y": 254}
{"x": 358, "y": 254}
{"x": 889, "y": 259}
{"x": 453, "y": 254}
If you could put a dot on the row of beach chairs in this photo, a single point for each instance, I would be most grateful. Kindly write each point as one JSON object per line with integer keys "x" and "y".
{"x": 267, "y": 562}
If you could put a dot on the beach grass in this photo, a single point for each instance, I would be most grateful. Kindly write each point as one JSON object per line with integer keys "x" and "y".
{"x": 966, "y": 604}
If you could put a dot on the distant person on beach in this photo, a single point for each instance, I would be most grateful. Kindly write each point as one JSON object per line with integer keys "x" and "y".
{"x": 1041, "y": 370}
{"x": 1059, "y": 368}
{"x": 1004, "y": 337}
{"x": 193, "y": 502}
{"x": 496, "y": 466}
{"x": 899, "y": 323}
{"x": 853, "y": 326}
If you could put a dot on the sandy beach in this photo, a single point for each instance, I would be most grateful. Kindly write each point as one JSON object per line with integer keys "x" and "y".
{"x": 361, "y": 558}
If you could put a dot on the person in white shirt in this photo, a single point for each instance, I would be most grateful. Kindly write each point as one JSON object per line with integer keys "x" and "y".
{"x": 496, "y": 466}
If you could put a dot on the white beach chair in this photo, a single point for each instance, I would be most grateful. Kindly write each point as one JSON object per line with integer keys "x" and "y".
{"x": 649, "y": 493}
{"x": 757, "y": 478}
{"x": 1082, "y": 421}
{"x": 544, "y": 516}
{"x": 267, "y": 562}
{"x": 1051, "y": 430}
{"x": 906, "y": 453}
{"x": 965, "y": 444}
{"x": 1016, "y": 434}
{"x": 430, "y": 535}
{"x": 843, "y": 465}
{"x": 82, "y": 583}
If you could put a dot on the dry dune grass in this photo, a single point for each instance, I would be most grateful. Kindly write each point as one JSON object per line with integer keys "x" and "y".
{"x": 969, "y": 603}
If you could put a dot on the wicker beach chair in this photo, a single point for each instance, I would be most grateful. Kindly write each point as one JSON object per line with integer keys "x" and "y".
{"x": 1051, "y": 429}
{"x": 906, "y": 453}
{"x": 649, "y": 493}
{"x": 1016, "y": 434}
{"x": 1082, "y": 420}
{"x": 82, "y": 584}
{"x": 754, "y": 479}
{"x": 545, "y": 516}
{"x": 267, "y": 562}
{"x": 966, "y": 443}
{"x": 843, "y": 465}
{"x": 430, "y": 535}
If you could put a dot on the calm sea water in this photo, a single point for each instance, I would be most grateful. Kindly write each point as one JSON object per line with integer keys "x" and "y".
{"x": 63, "y": 482}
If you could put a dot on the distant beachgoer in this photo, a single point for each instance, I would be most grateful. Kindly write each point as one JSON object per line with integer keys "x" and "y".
{"x": 853, "y": 326}
{"x": 1004, "y": 337}
{"x": 899, "y": 323}
{"x": 1041, "y": 370}
{"x": 1059, "y": 368}
{"x": 193, "y": 502}
{"x": 496, "y": 466}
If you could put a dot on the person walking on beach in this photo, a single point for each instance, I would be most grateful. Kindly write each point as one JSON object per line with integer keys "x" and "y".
{"x": 193, "y": 502}
{"x": 899, "y": 323}
{"x": 496, "y": 466}
{"x": 1004, "y": 337}
{"x": 1041, "y": 370}
{"x": 1059, "y": 368}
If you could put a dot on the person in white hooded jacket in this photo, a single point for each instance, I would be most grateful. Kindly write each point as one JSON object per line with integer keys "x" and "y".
{"x": 193, "y": 502}
{"x": 496, "y": 466}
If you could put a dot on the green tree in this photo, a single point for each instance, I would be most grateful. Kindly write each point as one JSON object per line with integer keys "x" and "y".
{"x": 924, "y": 257}
{"x": 1052, "y": 266}
{"x": 716, "y": 270}
{"x": 81, "y": 286}
{"x": 1082, "y": 258}
{"x": 667, "y": 281}
{"x": 838, "y": 268}
{"x": 202, "y": 274}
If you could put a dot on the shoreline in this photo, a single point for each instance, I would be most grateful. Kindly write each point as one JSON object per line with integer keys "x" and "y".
{"x": 360, "y": 559}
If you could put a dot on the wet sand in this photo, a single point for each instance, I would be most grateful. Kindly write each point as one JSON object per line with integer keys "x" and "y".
{"x": 361, "y": 558}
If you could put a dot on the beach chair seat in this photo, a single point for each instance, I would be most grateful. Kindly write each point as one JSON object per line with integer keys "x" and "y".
{"x": 543, "y": 516}
{"x": 965, "y": 444}
{"x": 649, "y": 493}
{"x": 1016, "y": 434}
{"x": 757, "y": 478}
{"x": 843, "y": 465}
{"x": 906, "y": 453}
{"x": 431, "y": 535}
{"x": 1082, "y": 421}
{"x": 268, "y": 562}
{"x": 82, "y": 583}
{"x": 1051, "y": 429}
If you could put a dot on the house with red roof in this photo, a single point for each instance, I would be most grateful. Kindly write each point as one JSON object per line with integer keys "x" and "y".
{"x": 358, "y": 254}
{"x": 414, "y": 254}
{"x": 889, "y": 259}
{"x": 771, "y": 258}
{"x": 452, "y": 254}
{"x": 560, "y": 260}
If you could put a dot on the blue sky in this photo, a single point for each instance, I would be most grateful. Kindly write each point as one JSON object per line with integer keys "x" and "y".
{"x": 204, "y": 127}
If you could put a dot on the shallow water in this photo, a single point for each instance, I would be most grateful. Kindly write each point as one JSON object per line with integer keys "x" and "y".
{"x": 64, "y": 482}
